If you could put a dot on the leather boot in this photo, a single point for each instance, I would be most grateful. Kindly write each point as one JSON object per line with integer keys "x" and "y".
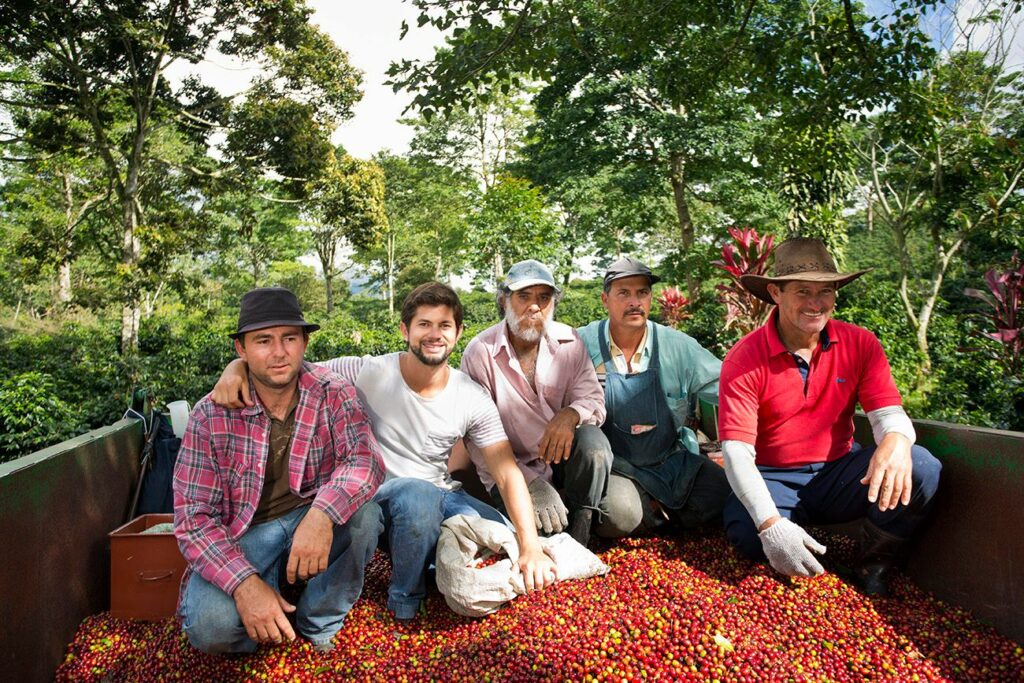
{"x": 579, "y": 525}
{"x": 879, "y": 550}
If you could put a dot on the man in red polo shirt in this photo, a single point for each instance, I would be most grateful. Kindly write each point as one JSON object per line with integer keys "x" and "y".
{"x": 787, "y": 395}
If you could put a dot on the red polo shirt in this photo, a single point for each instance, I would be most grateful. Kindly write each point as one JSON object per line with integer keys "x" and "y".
{"x": 763, "y": 401}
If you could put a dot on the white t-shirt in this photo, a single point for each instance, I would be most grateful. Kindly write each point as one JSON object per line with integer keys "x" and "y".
{"x": 416, "y": 434}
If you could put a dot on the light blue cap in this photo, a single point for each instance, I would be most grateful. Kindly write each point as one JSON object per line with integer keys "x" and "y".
{"x": 527, "y": 274}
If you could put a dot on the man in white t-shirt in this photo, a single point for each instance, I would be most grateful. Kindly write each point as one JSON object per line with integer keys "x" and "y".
{"x": 419, "y": 407}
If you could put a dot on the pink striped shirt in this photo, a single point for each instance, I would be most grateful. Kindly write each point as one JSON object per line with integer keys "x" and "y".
{"x": 564, "y": 378}
{"x": 335, "y": 461}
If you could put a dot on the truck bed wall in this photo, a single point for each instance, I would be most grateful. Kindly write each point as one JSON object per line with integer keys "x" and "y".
{"x": 56, "y": 508}
{"x": 58, "y": 505}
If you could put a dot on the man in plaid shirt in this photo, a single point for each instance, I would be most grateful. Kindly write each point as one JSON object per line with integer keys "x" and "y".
{"x": 278, "y": 490}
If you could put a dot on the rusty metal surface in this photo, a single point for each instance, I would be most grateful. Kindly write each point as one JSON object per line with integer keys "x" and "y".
{"x": 56, "y": 508}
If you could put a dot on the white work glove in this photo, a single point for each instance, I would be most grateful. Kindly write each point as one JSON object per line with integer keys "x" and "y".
{"x": 551, "y": 513}
{"x": 788, "y": 548}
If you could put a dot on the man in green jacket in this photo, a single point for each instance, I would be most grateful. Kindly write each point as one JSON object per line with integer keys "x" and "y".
{"x": 652, "y": 376}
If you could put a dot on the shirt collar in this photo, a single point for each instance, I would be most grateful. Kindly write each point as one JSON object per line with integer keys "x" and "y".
{"x": 827, "y": 338}
{"x": 312, "y": 380}
{"x": 554, "y": 335}
{"x": 644, "y": 350}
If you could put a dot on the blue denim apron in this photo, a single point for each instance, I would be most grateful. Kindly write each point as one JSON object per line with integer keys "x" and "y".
{"x": 642, "y": 434}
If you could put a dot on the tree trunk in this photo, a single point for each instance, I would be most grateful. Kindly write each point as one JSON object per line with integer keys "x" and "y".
{"x": 64, "y": 270}
{"x": 390, "y": 246}
{"x": 499, "y": 269}
{"x": 686, "y": 232}
{"x": 131, "y": 313}
{"x": 64, "y": 283}
{"x": 329, "y": 283}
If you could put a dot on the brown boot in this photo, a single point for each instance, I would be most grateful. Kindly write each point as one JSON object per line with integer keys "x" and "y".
{"x": 879, "y": 550}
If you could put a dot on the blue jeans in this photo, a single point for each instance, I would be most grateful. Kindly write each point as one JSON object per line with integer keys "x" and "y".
{"x": 209, "y": 616}
{"x": 831, "y": 493}
{"x": 413, "y": 512}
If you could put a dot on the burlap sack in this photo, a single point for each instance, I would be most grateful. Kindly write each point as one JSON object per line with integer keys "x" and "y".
{"x": 477, "y": 592}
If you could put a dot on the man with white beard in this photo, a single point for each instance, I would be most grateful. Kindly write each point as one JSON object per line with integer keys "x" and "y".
{"x": 550, "y": 403}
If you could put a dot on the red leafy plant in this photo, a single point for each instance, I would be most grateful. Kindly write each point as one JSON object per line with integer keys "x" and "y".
{"x": 746, "y": 254}
{"x": 1005, "y": 298}
{"x": 673, "y": 306}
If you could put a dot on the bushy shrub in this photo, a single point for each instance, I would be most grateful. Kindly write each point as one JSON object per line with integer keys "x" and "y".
{"x": 182, "y": 357}
{"x": 32, "y": 414}
{"x": 83, "y": 361}
{"x": 968, "y": 385}
{"x": 581, "y": 303}
{"x": 479, "y": 308}
{"x": 875, "y": 305}
{"x": 707, "y": 325}
{"x": 346, "y": 335}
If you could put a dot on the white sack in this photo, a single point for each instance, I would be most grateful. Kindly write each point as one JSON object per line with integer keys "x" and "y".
{"x": 476, "y": 592}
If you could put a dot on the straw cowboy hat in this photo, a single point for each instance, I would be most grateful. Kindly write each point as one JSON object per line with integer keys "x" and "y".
{"x": 799, "y": 258}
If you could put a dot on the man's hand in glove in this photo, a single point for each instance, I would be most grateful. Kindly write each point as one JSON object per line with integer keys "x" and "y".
{"x": 788, "y": 548}
{"x": 552, "y": 515}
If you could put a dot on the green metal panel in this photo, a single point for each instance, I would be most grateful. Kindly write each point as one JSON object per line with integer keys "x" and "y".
{"x": 56, "y": 508}
{"x": 972, "y": 553}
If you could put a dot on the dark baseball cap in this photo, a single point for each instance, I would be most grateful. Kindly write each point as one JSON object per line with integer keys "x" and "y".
{"x": 628, "y": 267}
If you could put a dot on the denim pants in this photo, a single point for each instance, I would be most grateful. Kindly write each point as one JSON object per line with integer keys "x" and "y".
{"x": 209, "y": 616}
{"x": 831, "y": 493}
{"x": 413, "y": 512}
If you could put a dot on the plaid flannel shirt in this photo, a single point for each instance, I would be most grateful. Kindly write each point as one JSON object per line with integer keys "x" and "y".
{"x": 334, "y": 459}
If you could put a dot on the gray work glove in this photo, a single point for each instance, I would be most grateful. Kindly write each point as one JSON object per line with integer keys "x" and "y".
{"x": 788, "y": 548}
{"x": 551, "y": 513}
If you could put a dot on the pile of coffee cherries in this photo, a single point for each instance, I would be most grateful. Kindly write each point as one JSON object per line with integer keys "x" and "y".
{"x": 669, "y": 610}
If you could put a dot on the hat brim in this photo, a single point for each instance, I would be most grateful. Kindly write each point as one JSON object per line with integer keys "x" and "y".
{"x": 309, "y": 327}
{"x": 530, "y": 282}
{"x": 758, "y": 284}
{"x": 650, "y": 276}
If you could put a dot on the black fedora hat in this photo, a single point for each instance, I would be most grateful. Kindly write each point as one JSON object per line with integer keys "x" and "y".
{"x": 269, "y": 307}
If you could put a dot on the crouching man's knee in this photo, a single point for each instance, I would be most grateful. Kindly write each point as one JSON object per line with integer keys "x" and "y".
{"x": 365, "y": 526}
{"x": 591, "y": 450}
{"x": 622, "y": 509}
{"x": 210, "y": 620}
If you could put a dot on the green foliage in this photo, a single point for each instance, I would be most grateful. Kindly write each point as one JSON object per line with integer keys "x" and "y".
{"x": 875, "y": 304}
{"x": 581, "y": 303}
{"x": 181, "y": 358}
{"x": 347, "y": 335}
{"x": 512, "y": 223}
{"x": 91, "y": 85}
{"x": 706, "y": 325}
{"x": 347, "y": 202}
{"x": 82, "y": 360}
{"x": 427, "y": 205}
{"x": 32, "y": 414}
{"x": 969, "y": 385}
{"x": 479, "y": 308}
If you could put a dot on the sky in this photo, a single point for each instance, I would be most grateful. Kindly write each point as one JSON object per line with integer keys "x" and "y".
{"x": 368, "y": 30}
